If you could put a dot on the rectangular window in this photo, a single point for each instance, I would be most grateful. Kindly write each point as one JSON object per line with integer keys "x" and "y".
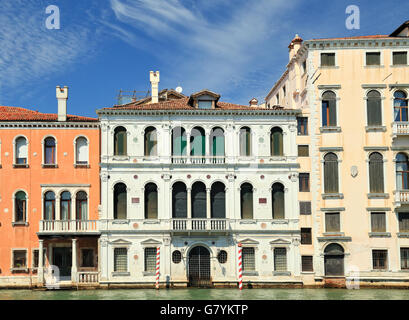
{"x": 378, "y": 222}
{"x": 249, "y": 261}
{"x": 280, "y": 259}
{"x": 373, "y": 58}
{"x": 304, "y": 66}
{"x": 304, "y": 182}
{"x": 380, "y": 259}
{"x": 404, "y": 258}
{"x": 121, "y": 260}
{"x": 327, "y": 59}
{"x": 403, "y": 221}
{"x": 36, "y": 258}
{"x": 278, "y": 99}
{"x": 284, "y": 91}
{"x": 20, "y": 259}
{"x": 150, "y": 259}
{"x": 87, "y": 258}
{"x": 305, "y": 207}
{"x": 306, "y": 237}
{"x": 303, "y": 151}
{"x": 302, "y": 126}
{"x": 332, "y": 222}
{"x": 400, "y": 58}
{"x": 306, "y": 264}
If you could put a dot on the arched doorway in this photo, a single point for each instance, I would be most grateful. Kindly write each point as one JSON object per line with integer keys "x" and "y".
{"x": 334, "y": 260}
{"x": 199, "y": 267}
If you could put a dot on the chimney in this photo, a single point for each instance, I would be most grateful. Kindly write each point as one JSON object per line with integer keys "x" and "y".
{"x": 62, "y": 96}
{"x": 253, "y": 102}
{"x": 154, "y": 77}
{"x": 294, "y": 46}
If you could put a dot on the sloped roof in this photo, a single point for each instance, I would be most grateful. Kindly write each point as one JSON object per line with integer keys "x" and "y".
{"x": 22, "y": 114}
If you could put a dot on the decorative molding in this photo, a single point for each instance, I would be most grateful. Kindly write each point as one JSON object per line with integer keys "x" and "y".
{"x": 380, "y": 148}
{"x": 399, "y": 85}
{"x": 329, "y": 86}
{"x": 377, "y": 209}
{"x": 374, "y": 86}
{"x": 333, "y": 209}
{"x": 334, "y": 239}
{"x": 333, "y": 149}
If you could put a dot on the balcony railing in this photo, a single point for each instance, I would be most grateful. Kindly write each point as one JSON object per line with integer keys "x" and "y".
{"x": 400, "y": 128}
{"x": 88, "y": 277}
{"x": 198, "y": 159}
{"x": 401, "y": 197}
{"x": 200, "y": 224}
{"x": 68, "y": 226}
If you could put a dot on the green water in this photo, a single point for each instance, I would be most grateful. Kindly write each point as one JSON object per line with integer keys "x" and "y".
{"x": 208, "y": 294}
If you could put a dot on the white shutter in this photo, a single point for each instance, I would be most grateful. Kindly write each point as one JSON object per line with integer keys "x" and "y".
{"x": 82, "y": 150}
{"x": 21, "y": 147}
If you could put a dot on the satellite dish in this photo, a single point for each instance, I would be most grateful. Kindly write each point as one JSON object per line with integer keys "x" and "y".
{"x": 179, "y": 89}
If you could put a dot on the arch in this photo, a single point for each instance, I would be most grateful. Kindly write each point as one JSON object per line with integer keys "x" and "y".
{"x": 331, "y": 173}
{"x": 151, "y": 201}
{"x": 199, "y": 273}
{"x": 179, "y": 200}
{"x": 334, "y": 260}
{"x": 65, "y": 205}
{"x": 21, "y": 150}
{"x": 20, "y": 206}
{"x": 49, "y": 205}
{"x": 278, "y": 202}
{"x": 120, "y": 201}
{"x": 374, "y": 108}
{"x": 197, "y": 142}
{"x": 120, "y": 141}
{"x": 400, "y": 106}
{"x": 246, "y": 201}
{"x": 217, "y": 142}
{"x": 218, "y": 200}
{"x": 402, "y": 171}
{"x": 329, "y": 109}
{"x": 179, "y": 141}
{"x": 276, "y": 141}
{"x": 50, "y": 154}
{"x": 199, "y": 203}
{"x": 81, "y": 205}
{"x": 81, "y": 150}
{"x": 376, "y": 181}
{"x": 245, "y": 141}
{"x": 150, "y": 142}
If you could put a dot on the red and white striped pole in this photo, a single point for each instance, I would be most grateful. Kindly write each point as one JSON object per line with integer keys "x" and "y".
{"x": 240, "y": 269}
{"x": 157, "y": 267}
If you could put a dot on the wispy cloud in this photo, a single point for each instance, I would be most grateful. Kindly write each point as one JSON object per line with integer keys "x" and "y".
{"x": 222, "y": 45}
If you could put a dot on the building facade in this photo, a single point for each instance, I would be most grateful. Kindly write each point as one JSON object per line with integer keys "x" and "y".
{"x": 49, "y": 188}
{"x": 352, "y": 141}
{"x": 195, "y": 176}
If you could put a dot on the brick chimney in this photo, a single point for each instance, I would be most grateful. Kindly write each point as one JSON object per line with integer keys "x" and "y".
{"x": 62, "y": 97}
{"x": 154, "y": 77}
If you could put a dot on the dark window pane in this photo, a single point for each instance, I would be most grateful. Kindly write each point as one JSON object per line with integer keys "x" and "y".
{"x": 327, "y": 59}
{"x": 179, "y": 200}
{"x": 373, "y": 58}
{"x": 332, "y": 222}
{"x": 376, "y": 173}
{"x": 151, "y": 201}
{"x": 150, "y": 259}
{"x": 403, "y": 221}
{"x": 276, "y": 142}
{"x": 87, "y": 258}
{"x": 304, "y": 182}
{"x": 19, "y": 259}
{"x": 280, "y": 259}
{"x": 380, "y": 259}
{"x": 302, "y": 126}
{"x": 306, "y": 237}
{"x": 400, "y": 58}
{"x": 378, "y": 222}
{"x": 199, "y": 200}
{"x": 120, "y": 260}
{"x": 249, "y": 261}
{"x": 305, "y": 207}
{"x": 120, "y": 201}
{"x": 246, "y": 196}
{"x": 307, "y": 264}
{"x": 404, "y": 258}
{"x": 218, "y": 200}
{"x": 278, "y": 201}
{"x": 303, "y": 151}
{"x": 331, "y": 173}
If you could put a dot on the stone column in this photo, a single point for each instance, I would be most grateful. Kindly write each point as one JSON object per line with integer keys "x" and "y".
{"x": 74, "y": 261}
{"x": 208, "y": 211}
{"x": 57, "y": 223}
{"x": 188, "y": 147}
{"x": 207, "y": 147}
{"x": 40, "y": 262}
{"x": 189, "y": 203}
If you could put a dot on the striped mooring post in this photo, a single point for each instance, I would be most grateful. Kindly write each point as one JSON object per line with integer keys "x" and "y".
{"x": 240, "y": 269}
{"x": 157, "y": 267}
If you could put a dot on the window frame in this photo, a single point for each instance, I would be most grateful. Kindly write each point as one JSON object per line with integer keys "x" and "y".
{"x": 302, "y": 263}
{"x": 24, "y": 221}
{"x": 333, "y": 213}
{"x": 13, "y": 266}
{"x": 285, "y": 250}
{"x": 15, "y": 162}
{"x": 117, "y": 132}
{"x": 381, "y": 99}
{"x": 55, "y": 152}
{"x": 308, "y": 187}
{"x": 335, "y": 59}
{"x": 302, "y": 125}
{"x": 306, "y": 237}
{"x": 126, "y": 249}
{"x": 254, "y": 267}
{"x": 397, "y": 51}
{"x": 369, "y": 172}
{"x": 386, "y": 261}
{"x": 76, "y": 161}
{"x": 373, "y": 213}
{"x": 146, "y": 262}
{"x": 380, "y": 65}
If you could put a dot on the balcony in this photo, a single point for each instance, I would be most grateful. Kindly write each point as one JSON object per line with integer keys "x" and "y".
{"x": 52, "y": 227}
{"x": 198, "y": 160}
{"x": 401, "y": 197}
{"x": 200, "y": 225}
{"x": 400, "y": 129}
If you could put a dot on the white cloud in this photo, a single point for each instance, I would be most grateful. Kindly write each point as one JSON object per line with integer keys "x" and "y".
{"x": 221, "y": 45}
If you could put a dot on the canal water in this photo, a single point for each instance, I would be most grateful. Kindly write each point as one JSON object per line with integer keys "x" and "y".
{"x": 208, "y": 294}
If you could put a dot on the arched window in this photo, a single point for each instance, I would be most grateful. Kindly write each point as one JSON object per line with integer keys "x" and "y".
{"x": 65, "y": 205}
{"x": 81, "y": 201}
{"x": 49, "y": 206}
{"x": 49, "y": 151}
{"x": 329, "y": 109}
{"x": 199, "y": 200}
{"x": 21, "y": 151}
{"x": 276, "y": 141}
{"x": 376, "y": 173}
{"x": 217, "y": 143}
{"x": 120, "y": 143}
{"x": 246, "y": 201}
{"x": 179, "y": 200}
{"x": 402, "y": 172}
{"x": 277, "y": 196}
{"x": 373, "y": 108}
{"x": 330, "y": 173}
{"x": 197, "y": 144}
{"x": 400, "y": 105}
{"x": 334, "y": 260}
{"x": 151, "y": 142}
{"x": 81, "y": 151}
{"x": 20, "y": 207}
{"x": 151, "y": 201}
{"x": 245, "y": 141}
{"x": 218, "y": 200}
{"x": 179, "y": 141}
{"x": 120, "y": 201}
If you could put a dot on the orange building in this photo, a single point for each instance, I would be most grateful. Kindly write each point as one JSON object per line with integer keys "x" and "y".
{"x": 49, "y": 195}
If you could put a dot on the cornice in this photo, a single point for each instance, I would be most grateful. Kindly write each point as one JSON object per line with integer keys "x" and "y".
{"x": 22, "y": 124}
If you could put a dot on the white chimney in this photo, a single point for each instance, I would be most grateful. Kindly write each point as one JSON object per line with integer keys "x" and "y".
{"x": 62, "y": 96}
{"x": 154, "y": 77}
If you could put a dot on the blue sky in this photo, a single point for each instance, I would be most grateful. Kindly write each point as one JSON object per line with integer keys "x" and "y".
{"x": 236, "y": 48}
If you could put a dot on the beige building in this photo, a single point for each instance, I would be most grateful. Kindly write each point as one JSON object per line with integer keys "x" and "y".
{"x": 353, "y": 147}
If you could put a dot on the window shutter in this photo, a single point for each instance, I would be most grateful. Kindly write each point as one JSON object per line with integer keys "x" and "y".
{"x": 249, "y": 263}
{"x": 403, "y": 222}
{"x": 120, "y": 260}
{"x": 280, "y": 259}
{"x": 376, "y": 173}
{"x": 332, "y": 222}
{"x": 378, "y": 222}
{"x": 332, "y": 112}
{"x": 373, "y": 58}
{"x": 307, "y": 265}
{"x": 305, "y": 207}
{"x": 400, "y": 58}
{"x": 374, "y": 112}
{"x": 150, "y": 259}
{"x": 331, "y": 173}
{"x": 404, "y": 258}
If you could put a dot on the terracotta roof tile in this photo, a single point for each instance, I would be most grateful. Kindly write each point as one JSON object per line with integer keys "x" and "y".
{"x": 377, "y": 36}
{"x": 23, "y": 114}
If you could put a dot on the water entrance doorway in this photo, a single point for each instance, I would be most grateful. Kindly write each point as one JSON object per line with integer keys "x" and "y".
{"x": 199, "y": 267}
